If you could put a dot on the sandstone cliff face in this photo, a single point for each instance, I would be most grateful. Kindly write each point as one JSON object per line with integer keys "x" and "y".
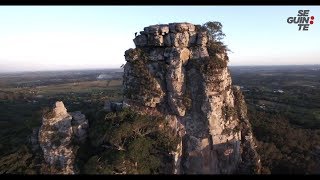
{"x": 58, "y": 136}
{"x": 172, "y": 72}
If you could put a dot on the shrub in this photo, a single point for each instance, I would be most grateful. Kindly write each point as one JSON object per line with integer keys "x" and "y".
{"x": 187, "y": 101}
{"x": 48, "y": 113}
{"x": 19, "y": 162}
{"x": 229, "y": 112}
{"x": 144, "y": 84}
{"x": 216, "y": 47}
{"x": 208, "y": 66}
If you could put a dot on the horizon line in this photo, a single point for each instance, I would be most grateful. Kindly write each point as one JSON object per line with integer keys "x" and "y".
{"x": 92, "y": 69}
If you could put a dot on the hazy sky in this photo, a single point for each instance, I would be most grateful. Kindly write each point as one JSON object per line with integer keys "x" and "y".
{"x": 73, "y": 37}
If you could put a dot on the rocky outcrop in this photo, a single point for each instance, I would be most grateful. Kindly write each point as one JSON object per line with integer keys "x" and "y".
{"x": 250, "y": 158}
{"x": 173, "y": 72}
{"x": 58, "y": 138}
{"x": 79, "y": 125}
{"x": 110, "y": 106}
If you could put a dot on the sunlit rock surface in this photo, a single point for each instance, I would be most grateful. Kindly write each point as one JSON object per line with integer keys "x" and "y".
{"x": 167, "y": 73}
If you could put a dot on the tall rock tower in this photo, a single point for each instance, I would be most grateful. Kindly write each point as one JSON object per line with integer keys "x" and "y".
{"x": 59, "y": 136}
{"x": 173, "y": 72}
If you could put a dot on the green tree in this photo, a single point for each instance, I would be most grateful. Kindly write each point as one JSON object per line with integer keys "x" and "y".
{"x": 215, "y": 37}
{"x": 214, "y": 28}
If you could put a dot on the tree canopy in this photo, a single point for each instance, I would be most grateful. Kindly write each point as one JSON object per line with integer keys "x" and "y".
{"x": 215, "y": 37}
{"x": 214, "y": 28}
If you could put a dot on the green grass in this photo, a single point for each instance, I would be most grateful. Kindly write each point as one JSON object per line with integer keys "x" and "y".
{"x": 80, "y": 87}
{"x": 77, "y": 87}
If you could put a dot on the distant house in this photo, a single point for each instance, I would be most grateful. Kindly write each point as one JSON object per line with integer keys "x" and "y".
{"x": 104, "y": 76}
{"x": 39, "y": 96}
{"x": 278, "y": 91}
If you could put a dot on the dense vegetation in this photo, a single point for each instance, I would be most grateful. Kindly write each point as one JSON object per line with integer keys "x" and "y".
{"x": 285, "y": 122}
{"x": 128, "y": 142}
{"x": 283, "y": 147}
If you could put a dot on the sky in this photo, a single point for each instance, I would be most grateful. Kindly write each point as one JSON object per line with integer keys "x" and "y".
{"x": 34, "y": 38}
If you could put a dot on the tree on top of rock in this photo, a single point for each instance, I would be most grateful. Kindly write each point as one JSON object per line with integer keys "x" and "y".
{"x": 214, "y": 28}
{"x": 215, "y": 35}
